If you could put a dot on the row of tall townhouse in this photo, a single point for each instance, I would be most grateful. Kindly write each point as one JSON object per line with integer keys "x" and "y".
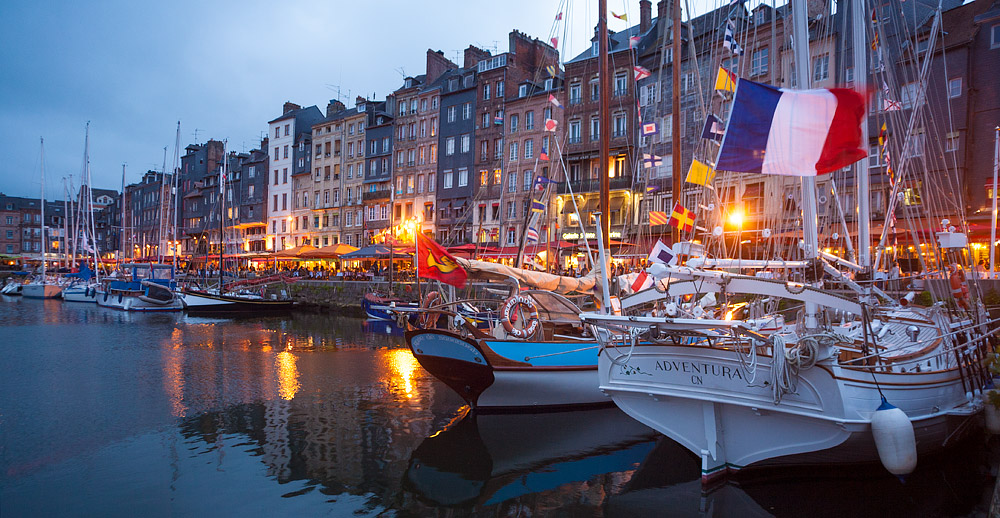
{"x": 454, "y": 152}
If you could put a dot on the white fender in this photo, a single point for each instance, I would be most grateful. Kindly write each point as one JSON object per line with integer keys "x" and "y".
{"x": 894, "y": 439}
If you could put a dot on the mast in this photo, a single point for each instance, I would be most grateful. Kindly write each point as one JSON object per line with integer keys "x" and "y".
{"x": 159, "y": 210}
{"x": 65, "y": 227}
{"x": 176, "y": 172}
{"x": 42, "y": 141}
{"x": 121, "y": 252}
{"x": 91, "y": 229}
{"x": 860, "y": 51}
{"x": 675, "y": 110}
{"x": 800, "y": 49}
{"x": 603, "y": 116}
{"x": 993, "y": 224}
{"x": 222, "y": 209}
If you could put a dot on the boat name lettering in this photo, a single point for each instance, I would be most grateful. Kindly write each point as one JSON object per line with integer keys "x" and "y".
{"x": 707, "y": 369}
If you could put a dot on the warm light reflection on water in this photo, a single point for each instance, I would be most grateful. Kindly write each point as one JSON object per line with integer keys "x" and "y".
{"x": 288, "y": 375}
{"x": 403, "y": 364}
{"x": 173, "y": 373}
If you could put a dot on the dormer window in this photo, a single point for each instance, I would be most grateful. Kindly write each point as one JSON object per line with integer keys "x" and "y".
{"x": 548, "y": 84}
{"x": 408, "y": 83}
{"x": 361, "y": 108}
{"x": 522, "y": 91}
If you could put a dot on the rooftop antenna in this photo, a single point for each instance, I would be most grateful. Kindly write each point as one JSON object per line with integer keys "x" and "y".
{"x": 196, "y": 130}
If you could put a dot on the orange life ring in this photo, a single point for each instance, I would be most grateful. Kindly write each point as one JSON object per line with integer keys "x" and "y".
{"x": 428, "y": 318}
{"x": 509, "y": 314}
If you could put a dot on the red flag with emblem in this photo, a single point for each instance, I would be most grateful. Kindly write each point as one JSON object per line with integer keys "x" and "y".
{"x": 434, "y": 262}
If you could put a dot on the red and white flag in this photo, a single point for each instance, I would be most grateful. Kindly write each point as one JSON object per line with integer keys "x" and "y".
{"x": 550, "y": 125}
{"x": 640, "y": 72}
{"x": 641, "y": 282}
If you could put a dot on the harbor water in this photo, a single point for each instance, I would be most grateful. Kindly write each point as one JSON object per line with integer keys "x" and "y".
{"x": 107, "y": 413}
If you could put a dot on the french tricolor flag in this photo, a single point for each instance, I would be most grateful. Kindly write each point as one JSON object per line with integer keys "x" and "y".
{"x": 792, "y": 132}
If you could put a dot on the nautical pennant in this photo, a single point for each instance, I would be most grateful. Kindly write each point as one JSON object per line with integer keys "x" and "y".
{"x": 657, "y": 218}
{"x": 498, "y": 120}
{"x": 651, "y": 161}
{"x": 883, "y": 133}
{"x": 650, "y": 128}
{"x": 551, "y": 69}
{"x": 729, "y": 40}
{"x": 531, "y": 235}
{"x": 650, "y": 189}
{"x": 874, "y": 43}
{"x": 875, "y": 16}
{"x": 725, "y": 81}
{"x": 642, "y": 281}
{"x": 640, "y": 72}
{"x": 544, "y": 155}
{"x": 700, "y": 174}
{"x": 682, "y": 218}
{"x": 713, "y": 128}
{"x": 890, "y": 106}
{"x": 550, "y": 125}
{"x": 554, "y": 101}
{"x": 537, "y": 206}
{"x": 661, "y": 253}
{"x": 555, "y": 42}
{"x": 633, "y": 42}
{"x": 623, "y": 16}
{"x": 559, "y": 16}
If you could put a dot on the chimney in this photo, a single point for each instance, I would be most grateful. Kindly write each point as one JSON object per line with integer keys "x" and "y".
{"x": 645, "y": 12}
{"x": 663, "y": 21}
{"x": 333, "y": 107}
{"x": 289, "y": 106}
{"x": 437, "y": 64}
{"x": 474, "y": 55}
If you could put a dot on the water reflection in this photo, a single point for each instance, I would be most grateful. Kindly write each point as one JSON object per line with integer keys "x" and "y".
{"x": 288, "y": 375}
{"x": 311, "y": 415}
{"x": 484, "y": 460}
{"x": 403, "y": 365}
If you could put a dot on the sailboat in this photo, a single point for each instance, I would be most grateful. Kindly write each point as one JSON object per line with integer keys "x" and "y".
{"x": 88, "y": 281}
{"x": 246, "y": 296}
{"x": 42, "y": 287}
{"x": 844, "y": 379}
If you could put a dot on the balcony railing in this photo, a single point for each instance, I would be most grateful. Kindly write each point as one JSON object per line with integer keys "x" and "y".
{"x": 383, "y": 194}
{"x": 594, "y": 185}
{"x": 575, "y": 140}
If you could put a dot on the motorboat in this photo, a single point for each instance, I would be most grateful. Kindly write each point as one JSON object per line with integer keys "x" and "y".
{"x": 142, "y": 287}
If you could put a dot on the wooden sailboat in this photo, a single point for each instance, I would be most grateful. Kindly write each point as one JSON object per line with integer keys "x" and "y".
{"x": 249, "y": 298}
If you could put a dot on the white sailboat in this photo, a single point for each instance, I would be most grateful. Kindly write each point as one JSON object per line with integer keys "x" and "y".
{"x": 43, "y": 287}
{"x": 817, "y": 389}
{"x": 89, "y": 281}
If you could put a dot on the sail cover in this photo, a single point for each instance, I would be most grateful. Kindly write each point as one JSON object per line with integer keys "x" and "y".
{"x": 538, "y": 280}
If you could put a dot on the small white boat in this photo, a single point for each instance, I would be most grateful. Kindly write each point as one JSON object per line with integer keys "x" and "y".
{"x": 41, "y": 290}
{"x": 81, "y": 292}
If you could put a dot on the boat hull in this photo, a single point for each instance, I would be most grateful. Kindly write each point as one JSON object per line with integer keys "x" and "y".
{"x": 80, "y": 294}
{"x": 703, "y": 399}
{"x": 497, "y": 376}
{"x": 133, "y": 301}
{"x": 41, "y": 291}
{"x": 195, "y": 302}
{"x": 370, "y": 303}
